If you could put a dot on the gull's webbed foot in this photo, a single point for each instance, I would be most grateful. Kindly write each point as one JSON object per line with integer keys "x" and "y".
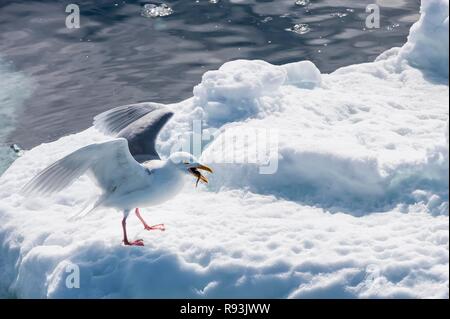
{"x": 138, "y": 242}
{"x": 160, "y": 227}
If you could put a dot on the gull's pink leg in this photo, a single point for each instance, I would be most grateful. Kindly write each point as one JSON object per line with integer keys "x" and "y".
{"x": 161, "y": 227}
{"x": 138, "y": 242}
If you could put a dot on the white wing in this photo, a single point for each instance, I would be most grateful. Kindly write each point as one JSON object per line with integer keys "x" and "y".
{"x": 109, "y": 163}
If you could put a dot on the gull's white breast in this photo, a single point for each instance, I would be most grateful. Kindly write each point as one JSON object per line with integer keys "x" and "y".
{"x": 160, "y": 183}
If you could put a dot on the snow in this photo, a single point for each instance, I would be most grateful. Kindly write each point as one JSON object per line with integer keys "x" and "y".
{"x": 342, "y": 149}
{"x": 427, "y": 46}
{"x": 234, "y": 91}
{"x": 303, "y": 74}
{"x": 357, "y": 206}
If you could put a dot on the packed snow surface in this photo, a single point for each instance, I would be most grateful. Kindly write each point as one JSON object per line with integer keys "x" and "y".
{"x": 353, "y": 202}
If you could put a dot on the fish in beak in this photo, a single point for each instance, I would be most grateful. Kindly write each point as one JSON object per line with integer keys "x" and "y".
{"x": 195, "y": 170}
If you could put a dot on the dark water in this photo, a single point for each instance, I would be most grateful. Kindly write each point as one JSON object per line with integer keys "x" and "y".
{"x": 119, "y": 57}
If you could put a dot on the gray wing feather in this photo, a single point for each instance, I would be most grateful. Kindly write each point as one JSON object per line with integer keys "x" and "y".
{"x": 113, "y": 121}
{"x": 107, "y": 162}
{"x": 139, "y": 124}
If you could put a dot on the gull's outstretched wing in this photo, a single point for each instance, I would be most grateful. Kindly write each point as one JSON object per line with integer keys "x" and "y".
{"x": 109, "y": 163}
{"x": 139, "y": 123}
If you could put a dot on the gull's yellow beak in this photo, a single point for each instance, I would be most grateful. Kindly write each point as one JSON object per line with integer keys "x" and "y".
{"x": 205, "y": 168}
{"x": 195, "y": 171}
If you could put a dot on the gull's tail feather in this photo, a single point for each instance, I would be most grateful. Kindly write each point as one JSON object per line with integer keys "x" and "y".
{"x": 89, "y": 207}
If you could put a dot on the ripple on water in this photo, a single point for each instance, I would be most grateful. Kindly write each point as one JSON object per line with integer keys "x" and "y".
{"x": 14, "y": 90}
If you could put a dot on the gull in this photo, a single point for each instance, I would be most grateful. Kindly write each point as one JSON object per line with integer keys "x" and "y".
{"x": 128, "y": 169}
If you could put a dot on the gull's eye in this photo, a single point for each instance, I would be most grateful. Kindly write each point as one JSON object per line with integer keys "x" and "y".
{"x": 186, "y": 163}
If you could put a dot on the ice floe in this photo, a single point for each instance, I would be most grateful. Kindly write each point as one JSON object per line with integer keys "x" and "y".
{"x": 357, "y": 207}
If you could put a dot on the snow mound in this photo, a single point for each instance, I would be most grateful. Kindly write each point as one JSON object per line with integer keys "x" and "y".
{"x": 349, "y": 198}
{"x": 234, "y": 91}
{"x": 242, "y": 89}
{"x": 343, "y": 146}
{"x": 427, "y": 45}
{"x": 303, "y": 74}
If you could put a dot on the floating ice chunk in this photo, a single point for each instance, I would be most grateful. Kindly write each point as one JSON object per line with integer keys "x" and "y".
{"x": 301, "y": 28}
{"x": 233, "y": 91}
{"x": 392, "y": 27}
{"x": 303, "y": 74}
{"x": 302, "y": 3}
{"x": 17, "y": 149}
{"x": 369, "y": 140}
{"x": 154, "y": 11}
{"x": 427, "y": 47}
{"x": 339, "y": 14}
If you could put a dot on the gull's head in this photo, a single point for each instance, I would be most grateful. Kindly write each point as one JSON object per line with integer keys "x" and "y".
{"x": 187, "y": 163}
